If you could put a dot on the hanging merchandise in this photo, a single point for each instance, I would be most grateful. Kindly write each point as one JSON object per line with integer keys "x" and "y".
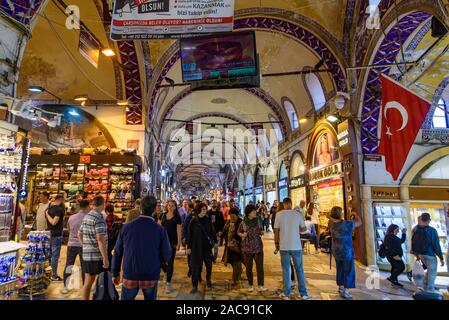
{"x": 33, "y": 269}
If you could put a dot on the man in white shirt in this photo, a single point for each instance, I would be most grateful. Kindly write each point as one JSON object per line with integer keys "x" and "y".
{"x": 41, "y": 221}
{"x": 287, "y": 227}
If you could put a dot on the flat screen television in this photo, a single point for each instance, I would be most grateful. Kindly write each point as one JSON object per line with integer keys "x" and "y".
{"x": 220, "y": 57}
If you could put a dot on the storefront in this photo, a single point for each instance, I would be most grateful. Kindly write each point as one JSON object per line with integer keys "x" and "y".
{"x": 283, "y": 182}
{"x": 241, "y": 192}
{"x": 325, "y": 174}
{"x": 249, "y": 191}
{"x": 270, "y": 184}
{"x": 297, "y": 180}
{"x": 423, "y": 189}
{"x": 258, "y": 186}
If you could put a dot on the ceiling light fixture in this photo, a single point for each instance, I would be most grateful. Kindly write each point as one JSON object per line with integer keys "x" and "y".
{"x": 108, "y": 52}
{"x": 81, "y": 97}
{"x": 332, "y": 118}
{"x": 303, "y": 120}
{"x": 83, "y": 103}
{"x": 36, "y": 89}
{"x": 73, "y": 112}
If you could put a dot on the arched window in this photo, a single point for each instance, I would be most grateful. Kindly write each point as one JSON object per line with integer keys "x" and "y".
{"x": 313, "y": 84}
{"x": 440, "y": 117}
{"x": 291, "y": 112}
{"x": 276, "y": 127}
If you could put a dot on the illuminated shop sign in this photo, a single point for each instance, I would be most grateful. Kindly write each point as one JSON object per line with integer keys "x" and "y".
{"x": 298, "y": 181}
{"x": 343, "y": 138}
{"x": 259, "y": 190}
{"x": 283, "y": 183}
{"x": 325, "y": 173}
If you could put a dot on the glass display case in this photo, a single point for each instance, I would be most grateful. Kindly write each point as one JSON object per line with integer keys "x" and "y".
{"x": 439, "y": 221}
{"x": 386, "y": 214}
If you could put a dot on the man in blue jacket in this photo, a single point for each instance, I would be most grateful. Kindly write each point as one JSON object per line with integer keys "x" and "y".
{"x": 142, "y": 245}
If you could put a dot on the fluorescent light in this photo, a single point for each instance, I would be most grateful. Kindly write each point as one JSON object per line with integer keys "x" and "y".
{"x": 36, "y": 89}
{"x": 82, "y": 97}
{"x": 73, "y": 112}
{"x": 332, "y": 118}
{"x": 303, "y": 120}
{"x": 122, "y": 103}
{"x": 108, "y": 52}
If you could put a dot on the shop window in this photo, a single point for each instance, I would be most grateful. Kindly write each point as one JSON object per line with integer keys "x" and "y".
{"x": 276, "y": 127}
{"x": 440, "y": 117}
{"x": 291, "y": 112}
{"x": 313, "y": 84}
{"x": 438, "y": 170}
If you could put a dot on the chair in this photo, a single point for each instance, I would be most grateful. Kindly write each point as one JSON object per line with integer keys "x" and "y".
{"x": 305, "y": 243}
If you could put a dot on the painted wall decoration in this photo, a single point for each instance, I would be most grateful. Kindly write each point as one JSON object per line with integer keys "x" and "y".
{"x": 326, "y": 151}
{"x": 78, "y": 129}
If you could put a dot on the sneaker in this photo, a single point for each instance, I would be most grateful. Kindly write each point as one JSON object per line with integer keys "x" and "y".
{"x": 251, "y": 289}
{"x": 284, "y": 297}
{"x": 346, "y": 295}
{"x": 168, "y": 288}
{"x": 262, "y": 289}
{"x": 194, "y": 290}
{"x": 305, "y": 297}
{"x": 56, "y": 278}
{"x": 341, "y": 290}
{"x": 64, "y": 290}
{"x": 410, "y": 276}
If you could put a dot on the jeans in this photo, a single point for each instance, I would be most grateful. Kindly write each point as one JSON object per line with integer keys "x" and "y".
{"x": 148, "y": 294}
{"x": 72, "y": 253}
{"x": 258, "y": 257}
{"x": 171, "y": 264}
{"x": 345, "y": 273}
{"x": 56, "y": 243}
{"x": 431, "y": 273}
{"x": 397, "y": 267}
{"x": 296, "y": 256}
{"x": 266, "y": 224}
{"x": 311, "y": 237}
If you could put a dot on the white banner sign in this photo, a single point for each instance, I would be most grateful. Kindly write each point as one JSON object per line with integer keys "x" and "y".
{"x": 160, "y": 19}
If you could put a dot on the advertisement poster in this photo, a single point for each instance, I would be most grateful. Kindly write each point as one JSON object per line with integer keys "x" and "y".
{"x": 326, "y": 151}
{"x": 89, "y": 47}
{"x": 161, "y": 19}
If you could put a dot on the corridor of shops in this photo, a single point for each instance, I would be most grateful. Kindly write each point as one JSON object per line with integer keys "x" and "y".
{"x": 336, "y": 109}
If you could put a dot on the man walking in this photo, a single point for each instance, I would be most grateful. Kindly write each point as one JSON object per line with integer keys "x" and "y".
{"x": 93, "y": 235}
{"x": 183, "y": 211}
{"x": 134, "y": 213}
{"x": 55, "y": 219}
{"x": 218, "y": 221}
{"x": 426, "y": 246}
{"x": 74, "y": 247}
{"x": 288, "y": 225}
{"x": 142, "y": 246}
{"x": 41, "y": 221}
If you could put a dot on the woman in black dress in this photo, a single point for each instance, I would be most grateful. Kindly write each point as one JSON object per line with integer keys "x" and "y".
{"x": 201, "y": 238}
{"x": 393, "y": 246}
{"x": 233, "y": 245}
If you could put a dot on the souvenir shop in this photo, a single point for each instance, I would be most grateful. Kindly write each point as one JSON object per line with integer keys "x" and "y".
{"x": 113, "y": 174}
{"x": 297, "y": 180}
{"x": 283, "y": 182}
{"x": 325, "y": 174}
{"x": 424, "y": 188}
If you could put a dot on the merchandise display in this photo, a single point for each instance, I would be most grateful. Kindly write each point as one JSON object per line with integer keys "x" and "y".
{"x": 8, "y": 280}
{"x": 328, "y": 195}
{"x": 32, "y": 268}
{"x": 385, "y": 215}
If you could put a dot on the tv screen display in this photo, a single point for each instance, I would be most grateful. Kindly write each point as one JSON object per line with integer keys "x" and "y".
{"x": 228, "y": 55}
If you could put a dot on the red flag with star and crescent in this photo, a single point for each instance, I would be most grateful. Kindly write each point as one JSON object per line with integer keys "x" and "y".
{"x": 403, "y": 113}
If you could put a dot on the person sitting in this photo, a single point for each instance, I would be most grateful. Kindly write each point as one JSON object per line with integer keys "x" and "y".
{"x": 310, "y": 234}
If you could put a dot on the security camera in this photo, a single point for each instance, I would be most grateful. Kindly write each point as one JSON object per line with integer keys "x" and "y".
{"x": 340, "y": 100}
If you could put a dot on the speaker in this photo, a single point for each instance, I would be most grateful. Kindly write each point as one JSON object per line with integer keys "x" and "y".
{"x": 438, "y": 28}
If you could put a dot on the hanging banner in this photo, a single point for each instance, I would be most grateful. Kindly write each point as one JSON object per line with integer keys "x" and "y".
{"x": 89, "y": 46}
{"x": 162, "y": 19}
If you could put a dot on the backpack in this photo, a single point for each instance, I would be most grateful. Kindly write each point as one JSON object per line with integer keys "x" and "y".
{"x": 104, "y": 288}
{"x": 420, "y": 241}
{"x": 382, "y": 251}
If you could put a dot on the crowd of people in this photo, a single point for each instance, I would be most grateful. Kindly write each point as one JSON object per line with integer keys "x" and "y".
{"x": 137, "y": 250}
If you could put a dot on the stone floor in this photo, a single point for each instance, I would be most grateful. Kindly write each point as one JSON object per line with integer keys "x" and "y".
{"x": 320, "y": 281}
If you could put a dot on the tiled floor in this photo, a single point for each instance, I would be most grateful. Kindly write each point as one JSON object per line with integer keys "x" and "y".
{"x": 320, "y": 281}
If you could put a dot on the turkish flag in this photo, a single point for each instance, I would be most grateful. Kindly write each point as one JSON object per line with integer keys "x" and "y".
{"x": 403, "y": 113}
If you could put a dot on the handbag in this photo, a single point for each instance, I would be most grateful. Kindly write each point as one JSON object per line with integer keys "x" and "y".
{"x": 234, "y": 245}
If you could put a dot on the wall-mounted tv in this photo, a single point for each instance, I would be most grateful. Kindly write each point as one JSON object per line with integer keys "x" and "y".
{"x": 220, "y": 57}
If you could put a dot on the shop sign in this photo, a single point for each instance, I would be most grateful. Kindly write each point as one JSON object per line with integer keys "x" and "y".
{"x": 84, "y": 159}
{"x": 282, "y": 183}
{"x": 259, "y": 190}
{"x": 298, "y": 181}
{"x": 325, "y": 173}
{"x": 343, "y": 138}
{"x": 89, "y": 46}
{"x": 385, "y": 193}
{"x": 270, "y": 187}
{"x": 161, "y": 19}
{"x": 249, "y": 192}
{"x": 372, "y": 157}
{"x": 330, "y": 184}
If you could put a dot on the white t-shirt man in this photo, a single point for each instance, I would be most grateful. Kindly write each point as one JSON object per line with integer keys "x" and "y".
{"x": 289, "y": 222}
{"x": 41, "y": 221}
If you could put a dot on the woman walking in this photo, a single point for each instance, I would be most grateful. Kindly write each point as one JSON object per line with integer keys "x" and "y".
{"x": 394, "y": 253}
{"x": 172, "y": 222}
{"x": 343, "y": 250}
{"x": 201, "y": 238}
{"x": 250, "y": 230}
{"x": 233, "y": 246}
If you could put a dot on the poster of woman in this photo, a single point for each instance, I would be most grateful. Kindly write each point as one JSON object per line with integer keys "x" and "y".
{"x": 326, "y": 151}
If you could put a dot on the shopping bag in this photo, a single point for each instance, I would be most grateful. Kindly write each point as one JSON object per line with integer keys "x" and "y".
{"x": 418, "y": 274}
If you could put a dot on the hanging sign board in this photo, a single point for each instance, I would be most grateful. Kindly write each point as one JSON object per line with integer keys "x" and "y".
{"x": 89, "y": 46}
{"x": 162, "y": 19}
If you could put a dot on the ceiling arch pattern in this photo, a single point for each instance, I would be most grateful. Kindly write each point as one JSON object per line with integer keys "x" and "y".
{"x": 274, "y": 24}
{"x": 386, "y": 54}
{"x": 258, "y": 92}
{"x": 22, "y": 11}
